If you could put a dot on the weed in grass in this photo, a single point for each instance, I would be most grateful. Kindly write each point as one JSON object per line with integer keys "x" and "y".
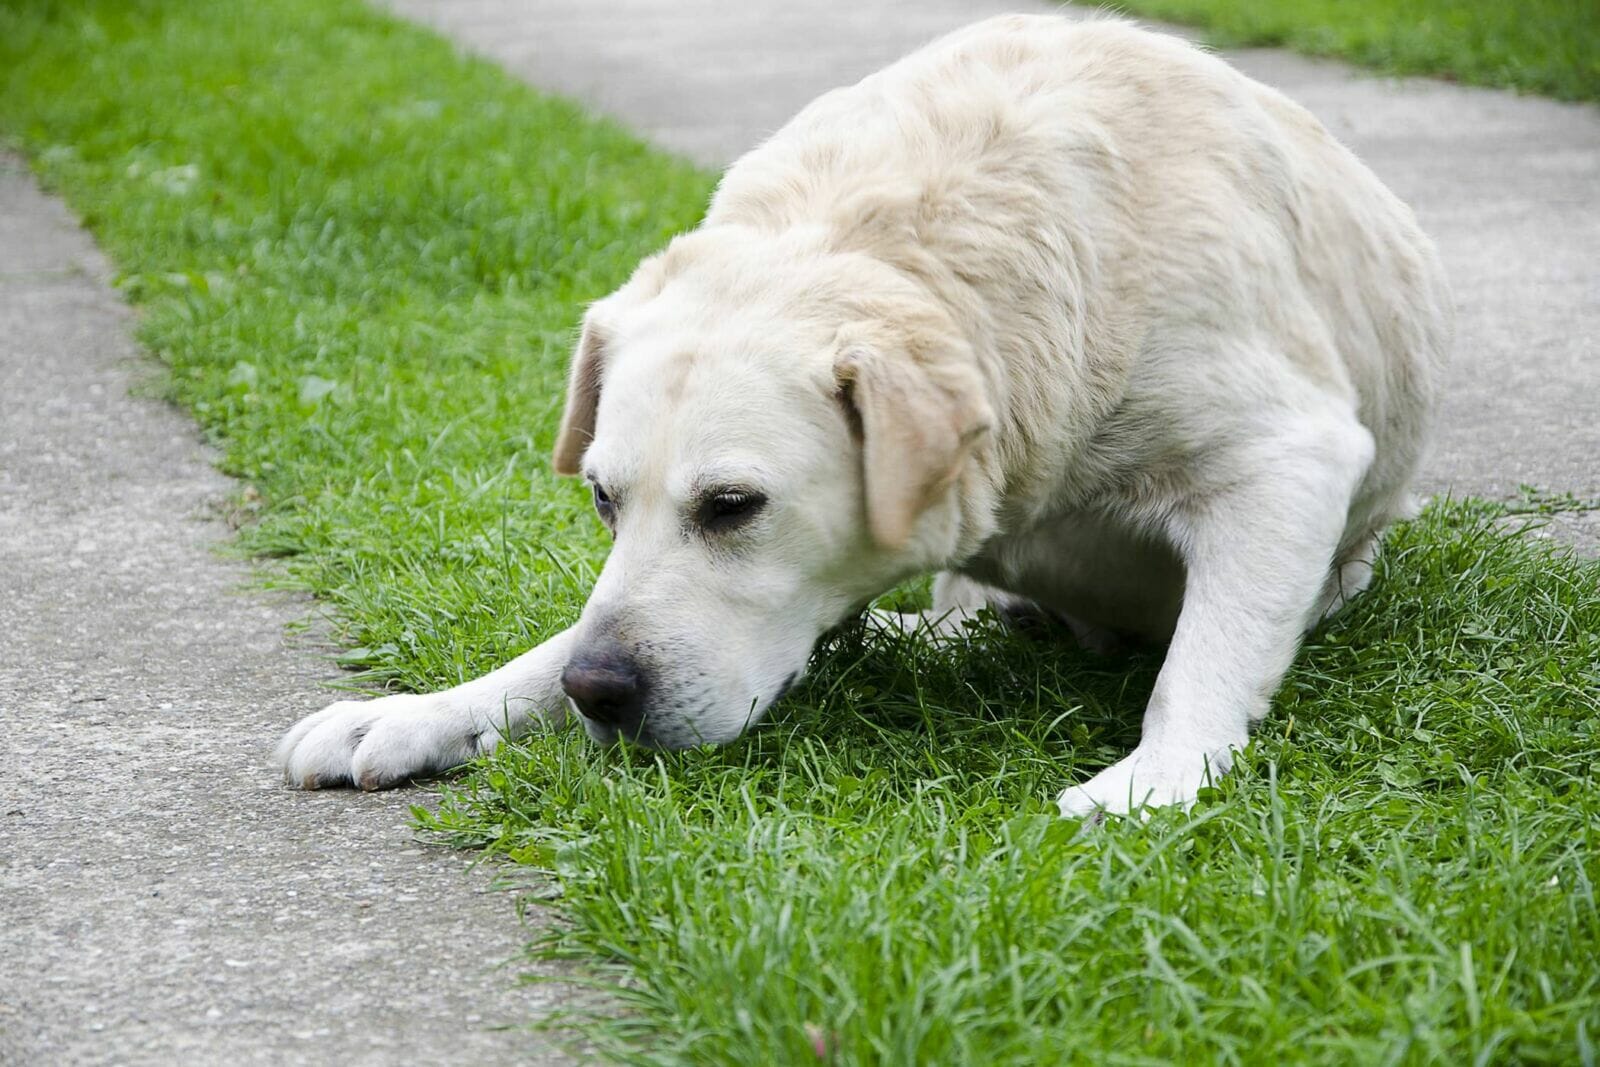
{"x": 361, "y": 257}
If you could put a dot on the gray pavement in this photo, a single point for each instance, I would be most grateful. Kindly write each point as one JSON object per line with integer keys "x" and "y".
{"x": 162, "y": 896}
{"x": 1508, "y": 186}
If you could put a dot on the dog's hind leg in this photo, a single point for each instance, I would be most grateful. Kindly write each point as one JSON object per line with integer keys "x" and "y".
{"x": 1256, "y": 548}
{"x": 958, "y": 600}
{"x": 953, "y": 593}
{"x": 375, "y": 744}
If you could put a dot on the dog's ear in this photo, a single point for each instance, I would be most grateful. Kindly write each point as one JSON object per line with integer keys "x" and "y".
{"x": 918, "y": 419}
{"x": 583, "y": 396}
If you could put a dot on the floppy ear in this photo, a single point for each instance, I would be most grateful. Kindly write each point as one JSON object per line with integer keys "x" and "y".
{"x": 919, "y": 420}
{"x": 583, "y": 397}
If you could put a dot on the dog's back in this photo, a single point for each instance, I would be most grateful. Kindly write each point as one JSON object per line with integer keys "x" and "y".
{"x": 1116, "y": 215}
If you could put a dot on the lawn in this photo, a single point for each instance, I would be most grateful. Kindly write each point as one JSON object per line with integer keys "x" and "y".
{"x": 1540, "y": 46}
{"x": 362, "y": 259}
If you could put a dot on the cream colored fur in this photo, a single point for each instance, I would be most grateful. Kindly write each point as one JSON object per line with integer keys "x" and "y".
{"x": 1072, "y": 312}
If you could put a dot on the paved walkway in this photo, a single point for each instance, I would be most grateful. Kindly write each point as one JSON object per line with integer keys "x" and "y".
{"x": 1508, "y": 186}
{"x": 162, "y": 897}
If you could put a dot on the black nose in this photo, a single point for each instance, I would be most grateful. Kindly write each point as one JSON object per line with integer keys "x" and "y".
{"x": 606, "y": 685}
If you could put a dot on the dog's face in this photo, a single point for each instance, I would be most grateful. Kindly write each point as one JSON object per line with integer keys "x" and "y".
{"x": 764, "y": 470}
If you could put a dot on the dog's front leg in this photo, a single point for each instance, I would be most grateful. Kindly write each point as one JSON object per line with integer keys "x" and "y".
{"x": 379, "y": 743}
{"x": 1257, "y": 558}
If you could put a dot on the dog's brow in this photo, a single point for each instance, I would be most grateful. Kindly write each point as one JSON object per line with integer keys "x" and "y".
{"x": 720, "y": 478}
{"x": 710, "y": 488}
{"x": 591, "y": 472}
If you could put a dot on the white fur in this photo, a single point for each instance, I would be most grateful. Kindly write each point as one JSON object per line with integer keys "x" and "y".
{"x": 1073, "y": 312}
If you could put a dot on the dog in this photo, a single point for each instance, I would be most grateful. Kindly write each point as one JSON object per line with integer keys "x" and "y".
{"x": 1072, "y": 313}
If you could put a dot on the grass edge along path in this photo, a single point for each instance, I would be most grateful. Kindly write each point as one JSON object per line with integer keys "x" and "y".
{"x": 362, "y": 256}
{"x": 1551, "y": 47}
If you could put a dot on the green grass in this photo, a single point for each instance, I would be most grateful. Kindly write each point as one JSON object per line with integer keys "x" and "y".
{"x": 1402, "y": 871}
{"x": 1540, "y": 46}
{"x": 362, "y": 258}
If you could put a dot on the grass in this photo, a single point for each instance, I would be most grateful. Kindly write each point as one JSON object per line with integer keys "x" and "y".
{"x": 362, "y": 258}
{"x": 1403, "y": 870}
{"x": 1539, "y": 46}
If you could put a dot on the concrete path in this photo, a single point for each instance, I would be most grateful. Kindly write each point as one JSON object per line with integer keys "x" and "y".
{"x": 162, "y": 897}
{"x": 1508, "y": 186}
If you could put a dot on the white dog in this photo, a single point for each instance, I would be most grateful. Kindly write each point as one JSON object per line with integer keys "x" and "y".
{"x": 1072, "y": 312}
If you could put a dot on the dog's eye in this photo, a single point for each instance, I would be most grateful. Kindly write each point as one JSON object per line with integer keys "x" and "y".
{"x": 726, "y": 510}
{"x": 603, "y": 505}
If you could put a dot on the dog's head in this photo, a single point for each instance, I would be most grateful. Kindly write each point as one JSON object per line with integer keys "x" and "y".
{"x": 774, "y": 434}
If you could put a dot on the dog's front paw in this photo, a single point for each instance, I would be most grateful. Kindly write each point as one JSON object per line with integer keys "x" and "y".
{"x": 376, "y": 744}
{"x": 1149, "y": 776}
